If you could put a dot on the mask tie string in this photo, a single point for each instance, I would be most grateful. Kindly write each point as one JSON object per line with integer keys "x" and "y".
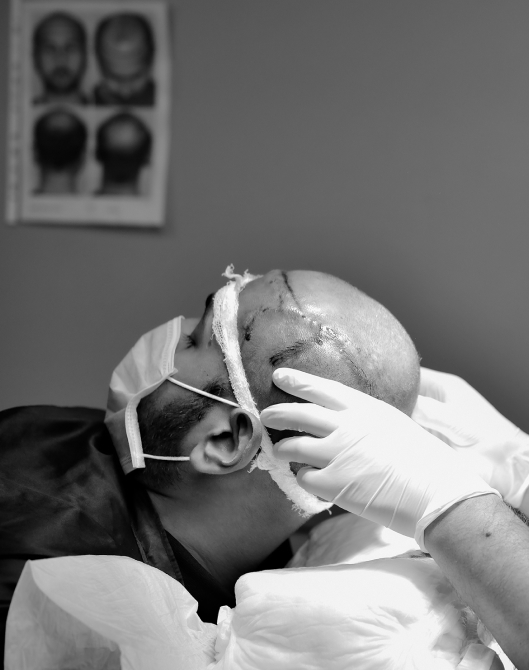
{"x": 201, "y": 392}
{"x": 167, "y": 458}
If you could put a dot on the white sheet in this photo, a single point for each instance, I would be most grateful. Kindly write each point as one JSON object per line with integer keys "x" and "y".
{"x": 382, "y": 614}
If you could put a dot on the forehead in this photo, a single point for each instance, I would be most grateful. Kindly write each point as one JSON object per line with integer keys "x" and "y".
{"x": 124, "y": 35}
{"x": 283, "y": 317}
{"x": 260, "y": 298}
{"x": 60, "y": 30}
{"x": 265, "y": 293}
{"x": 293, "y": 294}
{"x": 301, "y": 293}
{"x": 271, "y": 318}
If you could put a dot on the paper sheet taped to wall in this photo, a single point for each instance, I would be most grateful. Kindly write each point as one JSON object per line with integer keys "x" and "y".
{"x": 89, "y": 111}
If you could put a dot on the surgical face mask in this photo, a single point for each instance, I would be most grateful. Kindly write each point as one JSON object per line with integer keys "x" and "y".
{"x": 225, "y": 311}
{"x": 148, "y": 364}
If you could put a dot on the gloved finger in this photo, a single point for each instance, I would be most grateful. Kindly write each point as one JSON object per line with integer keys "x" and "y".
{"x": 303, "y": 417}
{"x": 445, "y": 421}
{"x": 427, "y": 410}
{"x": 325, "y": 392}
{"x": 310, "y": 480}
{"x": 431, "y": 384}
{"x": 304, "y": 449}
{"x": 462, "y": 397}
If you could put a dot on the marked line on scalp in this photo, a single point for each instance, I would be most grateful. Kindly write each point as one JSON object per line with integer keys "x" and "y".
{"x": 290, "y": 290}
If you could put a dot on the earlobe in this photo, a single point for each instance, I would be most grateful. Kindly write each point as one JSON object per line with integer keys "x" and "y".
{"x": 228, "y": 447}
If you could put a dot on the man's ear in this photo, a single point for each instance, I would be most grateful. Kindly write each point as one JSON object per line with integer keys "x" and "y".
{"x": 227, "y": 445}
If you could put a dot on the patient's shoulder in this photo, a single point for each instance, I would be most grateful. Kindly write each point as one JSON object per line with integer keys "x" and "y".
{"x": 32, "y": 436}
{"x": 26, "y": 415}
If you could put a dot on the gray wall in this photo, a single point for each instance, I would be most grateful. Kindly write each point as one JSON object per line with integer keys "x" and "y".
{"x": 385, "y": 142}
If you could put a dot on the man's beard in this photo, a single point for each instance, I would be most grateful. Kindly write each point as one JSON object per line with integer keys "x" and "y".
{"x": 62, "y": 81}
{"x": 163, "y": 429}
{"x": 162, "y": 432}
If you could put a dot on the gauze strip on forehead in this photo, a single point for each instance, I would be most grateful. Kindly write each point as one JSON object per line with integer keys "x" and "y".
{"x": 225, "y": 311}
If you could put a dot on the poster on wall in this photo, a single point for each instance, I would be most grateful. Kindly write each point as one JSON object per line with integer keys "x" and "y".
{"x": 89, "y": 115}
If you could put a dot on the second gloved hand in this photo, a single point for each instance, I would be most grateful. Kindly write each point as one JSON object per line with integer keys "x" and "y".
{"x": 368, "y": 457}
{"x": 495, "y": 448}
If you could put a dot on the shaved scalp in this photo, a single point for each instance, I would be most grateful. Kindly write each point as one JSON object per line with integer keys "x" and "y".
{"x": 321, "y": 324}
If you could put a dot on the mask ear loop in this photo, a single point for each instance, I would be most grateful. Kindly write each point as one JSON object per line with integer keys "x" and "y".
{"x": 167, "y": 458}
{"x": 200, "y": 392}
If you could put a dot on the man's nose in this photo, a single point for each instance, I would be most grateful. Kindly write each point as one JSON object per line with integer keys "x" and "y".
{"x": 63, "y": 55}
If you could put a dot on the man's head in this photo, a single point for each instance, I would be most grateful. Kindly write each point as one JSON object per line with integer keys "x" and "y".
{"x": 305, "y": 320}
{"x": 59, "y": 141}
{"x": 123, "y": 147}
{"x": 59, "y": 52}
{"x": 124, "y": 45}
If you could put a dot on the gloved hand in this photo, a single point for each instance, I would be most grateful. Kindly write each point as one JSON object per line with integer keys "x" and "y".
{"x": 374, "y": 460}
{"x": 495, "y": 448}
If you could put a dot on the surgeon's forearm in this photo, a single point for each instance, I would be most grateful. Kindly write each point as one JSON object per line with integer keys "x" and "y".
{"x": 483, "y": 549}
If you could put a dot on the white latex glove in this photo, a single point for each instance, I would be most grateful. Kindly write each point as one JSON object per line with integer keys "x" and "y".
{"x": 374, "y": 460}
{"x": 452, "y": 410}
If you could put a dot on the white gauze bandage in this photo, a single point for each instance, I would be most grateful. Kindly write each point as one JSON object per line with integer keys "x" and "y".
{"x": 225, "y": 311}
